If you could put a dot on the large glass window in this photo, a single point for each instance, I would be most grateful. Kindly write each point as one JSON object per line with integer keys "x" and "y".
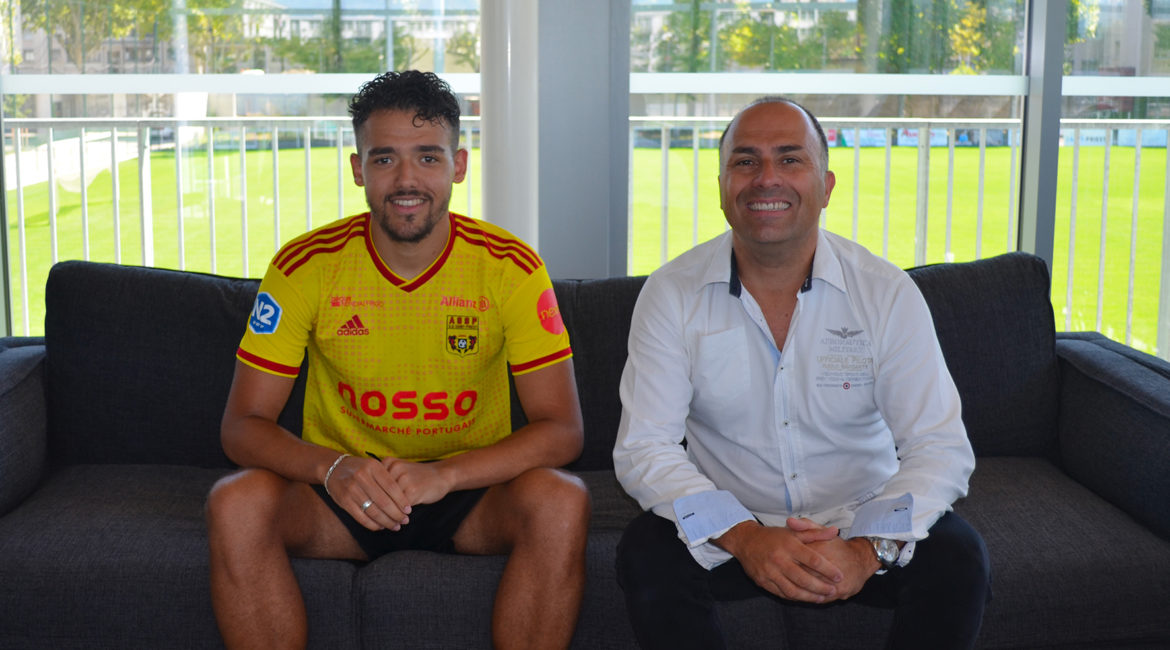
{"x": 1109, "y": 266}
{"x": 231, "y": 36}
{"x": 921, "y": 101}
{"x": 110, "y": 156}
{"x": 886, "y": 36}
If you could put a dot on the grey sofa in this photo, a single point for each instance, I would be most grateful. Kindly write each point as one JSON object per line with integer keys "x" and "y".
{"x": 109, "y": 443}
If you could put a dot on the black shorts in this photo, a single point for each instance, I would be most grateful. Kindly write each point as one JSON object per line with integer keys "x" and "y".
{"x": 432, "y": 525}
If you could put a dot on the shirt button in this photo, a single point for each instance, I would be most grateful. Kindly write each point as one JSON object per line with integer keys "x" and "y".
{"x": 793, "y": 477}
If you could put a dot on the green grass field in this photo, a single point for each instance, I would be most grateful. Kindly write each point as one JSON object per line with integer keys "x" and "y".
{"x": 998, "y": 235}
{"x": 646, "y": 219}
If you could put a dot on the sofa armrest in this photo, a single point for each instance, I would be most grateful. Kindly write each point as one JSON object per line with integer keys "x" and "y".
{"x": 20, "y": 341}
{"x": 1114, "y": 426}
{"x": 1100, "y": 340}
{"x": 23, "y": 434}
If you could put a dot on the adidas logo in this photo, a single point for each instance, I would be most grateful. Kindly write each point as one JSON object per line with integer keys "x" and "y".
{"x": 353, "y": 327}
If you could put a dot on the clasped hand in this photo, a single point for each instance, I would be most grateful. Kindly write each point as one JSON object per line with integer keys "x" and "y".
{"x": 803, "y": 561}
{"x": 379, "y": 493}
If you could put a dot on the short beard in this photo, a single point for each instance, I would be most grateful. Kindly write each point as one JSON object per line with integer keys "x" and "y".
{"x": 428, "y": 226}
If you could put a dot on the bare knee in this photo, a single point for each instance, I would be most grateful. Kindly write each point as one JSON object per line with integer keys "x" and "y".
{"x": 244, "y": 503}
{"x": 553, "y": 501}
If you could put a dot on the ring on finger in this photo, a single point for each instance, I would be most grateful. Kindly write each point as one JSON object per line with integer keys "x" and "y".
{"x": 366, "y": 505}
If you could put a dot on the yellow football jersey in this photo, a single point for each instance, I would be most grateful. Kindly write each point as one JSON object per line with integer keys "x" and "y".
{"x": 413, "y": 369}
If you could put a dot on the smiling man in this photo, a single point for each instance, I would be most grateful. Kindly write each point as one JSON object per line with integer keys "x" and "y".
{"x": 788, "y": 422}
{"x": 410, "y": 316}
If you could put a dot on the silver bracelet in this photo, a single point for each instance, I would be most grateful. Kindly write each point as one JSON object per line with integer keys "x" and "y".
{"x": 329, "y": 473}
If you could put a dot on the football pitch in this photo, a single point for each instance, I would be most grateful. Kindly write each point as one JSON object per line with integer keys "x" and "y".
{"x": 977, "y": 227}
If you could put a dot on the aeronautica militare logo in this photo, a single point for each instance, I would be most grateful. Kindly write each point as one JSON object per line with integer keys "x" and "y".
{"x": 844, "y": 359}
{"x": 353, "y": 327}
{"x": 462, "y": 334}
{"x": 844, "y": 332}
{"x": 265, "y": 316}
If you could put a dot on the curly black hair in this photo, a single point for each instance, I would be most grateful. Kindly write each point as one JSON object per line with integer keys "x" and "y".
{"x": 424, "y": 93}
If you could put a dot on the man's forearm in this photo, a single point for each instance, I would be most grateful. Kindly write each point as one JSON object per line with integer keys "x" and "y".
{"x": 554, "y": 435}
{"x": 537, "y": 444}
{"x": 253, "y": 441}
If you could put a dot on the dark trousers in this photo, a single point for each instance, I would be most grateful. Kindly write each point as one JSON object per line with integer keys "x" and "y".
{"x": 938, "y": 598}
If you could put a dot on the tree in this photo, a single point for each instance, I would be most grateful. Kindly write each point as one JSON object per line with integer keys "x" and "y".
{"x": 463, "y": 47}
{"x": 683, "y": 44}
{"x": 967, "y": 37}
{"x": 215, "y": 35}
{"x": 766, "y": 41}
{"x": 890, "y": 36}
{"x": 841, "y": 37}
{"x": 316, "y": 53}
{"x": 917, "y": 36}
{"x": 81, "y": 27}
{"x": 1084, "y": 16}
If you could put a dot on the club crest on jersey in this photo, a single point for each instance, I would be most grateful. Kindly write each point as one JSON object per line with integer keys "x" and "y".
{"x": 462, "y": 335}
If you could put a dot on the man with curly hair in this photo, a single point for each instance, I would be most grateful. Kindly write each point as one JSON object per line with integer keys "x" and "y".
{"x": 410, "y": 316}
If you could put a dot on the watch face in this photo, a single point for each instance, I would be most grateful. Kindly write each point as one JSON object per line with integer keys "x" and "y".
{"x": 887, "y": 551}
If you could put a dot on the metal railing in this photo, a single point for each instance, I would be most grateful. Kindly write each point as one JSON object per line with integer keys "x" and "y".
{"x": 971, "y": 215}
{"x": 216, "y": 164}
{"x": 950, "y": 196}
{"x": 853, "y": 135}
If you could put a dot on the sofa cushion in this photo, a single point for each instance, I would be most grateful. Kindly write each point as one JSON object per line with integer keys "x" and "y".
{"x": 997, "y": 331}
{"x": 140, "y": 361}
{"x": 1061, "y": 559}
{"x": 120, "y": 552}
{"x": 392, "y": 616}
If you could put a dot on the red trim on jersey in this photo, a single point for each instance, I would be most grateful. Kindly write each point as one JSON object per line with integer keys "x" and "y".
{"x": 329, "y": 240}
{"x": 555, "y": 356}
{"x": 378, "y": 263}
{"x": 424, "y": 276}
{"x": 498, "y": 247}
{"x": 270, "y": 366}
{"x": 508, "y": 242}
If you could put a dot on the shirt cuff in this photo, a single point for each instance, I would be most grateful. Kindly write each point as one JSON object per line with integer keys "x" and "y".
{"x": 709, "y": 555}
{"x": 709, "y": 514}
{"x": 888, "y": 518}
{"x": 906, "y": 554}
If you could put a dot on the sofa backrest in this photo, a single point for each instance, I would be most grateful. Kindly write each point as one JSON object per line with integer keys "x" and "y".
{"x": 139, "y": 361}
{"x": 597, "y": 317}
{"x": 998, "y": 333}
{"x": 995, "y": 326}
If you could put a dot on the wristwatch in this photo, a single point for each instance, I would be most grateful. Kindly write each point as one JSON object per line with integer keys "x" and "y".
{"x": 886, "y": 550}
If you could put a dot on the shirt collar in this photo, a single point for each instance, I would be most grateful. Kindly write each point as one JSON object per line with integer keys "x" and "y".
{"x": 826, "y": 266}
{"x": 715, "y": 269}
{"x": 735, "y": 287}
{"x": 826, "y": 263}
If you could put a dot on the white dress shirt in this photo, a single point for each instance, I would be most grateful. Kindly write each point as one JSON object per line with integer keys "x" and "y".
{"x": 855, "y": 415}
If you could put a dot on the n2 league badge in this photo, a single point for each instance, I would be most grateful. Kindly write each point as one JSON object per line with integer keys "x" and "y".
{"x": 265, "y": 314}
